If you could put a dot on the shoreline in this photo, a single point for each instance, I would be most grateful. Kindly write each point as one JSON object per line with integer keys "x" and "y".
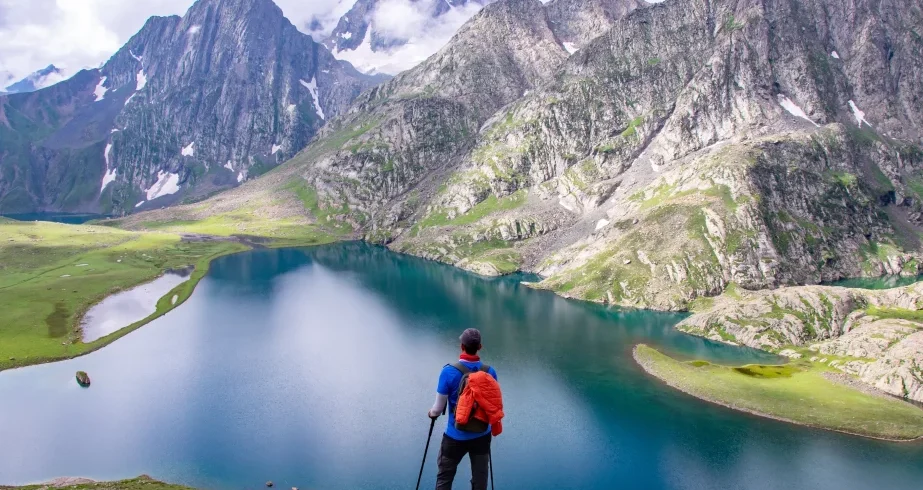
{"x": 645, "y": 366}
{"x": 164, "y": 304}
{"x": 182, "y": 291}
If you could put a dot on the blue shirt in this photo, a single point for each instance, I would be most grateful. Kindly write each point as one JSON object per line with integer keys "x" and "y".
{"x": 449, "y": 380}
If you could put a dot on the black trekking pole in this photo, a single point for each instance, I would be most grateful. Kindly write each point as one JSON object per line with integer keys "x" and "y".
{"x": 432, "y": 424}
{"x": 490, "y": 463}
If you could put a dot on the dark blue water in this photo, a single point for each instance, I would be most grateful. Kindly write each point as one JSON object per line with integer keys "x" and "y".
{"x": 69, "y": 218}
{"x": 314, "y": 368}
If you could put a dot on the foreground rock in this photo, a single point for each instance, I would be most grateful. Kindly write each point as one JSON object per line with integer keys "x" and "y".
{"x": 143, "y": 482}
{"x": 83, "y": 379}
{"x": 876, "y": 336}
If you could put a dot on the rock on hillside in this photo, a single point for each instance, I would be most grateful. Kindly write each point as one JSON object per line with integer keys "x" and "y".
{"x": 876, "y": 336}
{"x": 190, "y": 105}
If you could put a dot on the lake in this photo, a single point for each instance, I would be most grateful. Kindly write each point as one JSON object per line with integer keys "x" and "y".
{"x": 314, "y": 368}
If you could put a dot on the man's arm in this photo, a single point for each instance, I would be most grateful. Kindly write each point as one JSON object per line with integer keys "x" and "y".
{"x": 438, "y": 406}
{"x": 442, "y": 395}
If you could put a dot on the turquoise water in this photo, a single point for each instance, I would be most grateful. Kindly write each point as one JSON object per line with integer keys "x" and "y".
{"x": 314, "y": 368}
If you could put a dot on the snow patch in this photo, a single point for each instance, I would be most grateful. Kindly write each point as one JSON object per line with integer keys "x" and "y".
{"x": 108, "y": 178}
{"x": 139, "y": 204}
{"x": 571, "y": 48}
{"x": 860, "y": 116}
{"x": 194, "y": 29}
{"x": 114, "y": 130}
{"x": 188, "y": 150}
{"x": 346, "y": 35}
{"x": 312, "y": 87}
{"x": 290, "y": 108}
{"x": 132, "y": 96}
{"x": 106, "y": 153}
{"x": 167, "y": 183}
{"x": 793, "y": 109}
{"x": 229, "y": 166}
{"x": 141, "y": 78}
{"x": 835, "y": 55}
{"x": 275, "y": 149}
{"x": 82, "y": 265}
{"x": 601, "y": 224}
{"x": 240, "y": 177}
{"x": 100, "y": 91}
{"x": 133, "y": 55}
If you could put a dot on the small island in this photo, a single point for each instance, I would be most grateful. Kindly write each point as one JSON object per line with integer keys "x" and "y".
{"x": 83, "y": 379}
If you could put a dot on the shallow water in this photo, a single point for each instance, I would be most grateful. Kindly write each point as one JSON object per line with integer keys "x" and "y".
{"x": 314, "y": 368}
{"x": 122, "y": 309}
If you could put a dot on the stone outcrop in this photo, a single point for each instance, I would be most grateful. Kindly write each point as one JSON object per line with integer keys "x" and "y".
{"x": 876, "y": 336}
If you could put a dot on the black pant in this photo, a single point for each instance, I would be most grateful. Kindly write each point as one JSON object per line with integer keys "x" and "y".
{"x": 451, "y": 453}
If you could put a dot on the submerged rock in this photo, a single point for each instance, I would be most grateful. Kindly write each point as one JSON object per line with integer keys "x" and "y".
{"x": 83, "y": 379}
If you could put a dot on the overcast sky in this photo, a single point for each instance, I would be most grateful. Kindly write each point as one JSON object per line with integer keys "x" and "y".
{"x": 74, "y": 34}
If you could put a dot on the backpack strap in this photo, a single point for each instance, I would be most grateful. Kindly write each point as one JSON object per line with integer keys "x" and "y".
{"x": 461, "y": 367}
{"x": 484, "y": 368}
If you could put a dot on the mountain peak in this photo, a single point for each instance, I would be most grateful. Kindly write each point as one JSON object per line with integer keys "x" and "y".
{"x": 38, "y": 79}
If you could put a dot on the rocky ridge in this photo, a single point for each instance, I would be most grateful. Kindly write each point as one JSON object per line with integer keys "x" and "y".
{"x": 876, "y": 336}
{"x": 189, "y": 106}
{"x": 692, "y": 145}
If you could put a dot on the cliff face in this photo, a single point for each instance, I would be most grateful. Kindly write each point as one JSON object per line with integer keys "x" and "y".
{"x": 187, "y": 107}
{"x": 687, "y": 146}
{"x": 876, "y": 336}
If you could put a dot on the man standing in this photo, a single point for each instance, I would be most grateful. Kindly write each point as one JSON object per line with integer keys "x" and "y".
{"x": 457, "y": 442}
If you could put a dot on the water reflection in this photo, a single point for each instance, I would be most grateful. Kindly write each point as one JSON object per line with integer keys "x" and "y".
{"x": 122, "y": 309}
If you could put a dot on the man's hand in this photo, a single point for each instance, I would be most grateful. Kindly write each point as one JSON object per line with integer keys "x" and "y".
{"x": 432, "y": 415}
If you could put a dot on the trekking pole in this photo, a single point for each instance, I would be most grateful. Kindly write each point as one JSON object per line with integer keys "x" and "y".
{"x": 490, "y": 463}
{"x": 432, "y": 424}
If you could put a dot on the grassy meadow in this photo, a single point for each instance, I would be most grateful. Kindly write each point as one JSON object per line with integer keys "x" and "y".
{"x": 795, "y": 392}
{"x": 51, "y": 273}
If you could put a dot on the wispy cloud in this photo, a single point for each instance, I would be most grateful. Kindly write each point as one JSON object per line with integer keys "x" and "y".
{"x": 411, "y": 21}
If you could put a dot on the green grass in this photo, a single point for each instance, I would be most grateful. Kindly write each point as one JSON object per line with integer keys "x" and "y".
{"x": 797, "y": 393}
{"x": 489, "y": 206}
{"x": 897, "y": 313}
{"x": 45, "y": 287}
{"x": 140, "y": 483}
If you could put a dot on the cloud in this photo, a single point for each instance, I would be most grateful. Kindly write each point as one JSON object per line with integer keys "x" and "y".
{"x": 412, "y": 21}
{"x": 76, "y": 34}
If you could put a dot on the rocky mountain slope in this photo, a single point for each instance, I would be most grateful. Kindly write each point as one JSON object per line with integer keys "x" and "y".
{"x": 876, "y": 336}
{"x": 190, "y": 105}
{"x": 691, "y": 145}
{"x": 38, "y": 79}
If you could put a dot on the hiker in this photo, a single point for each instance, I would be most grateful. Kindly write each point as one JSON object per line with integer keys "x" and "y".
{"x": 479, "y": 407}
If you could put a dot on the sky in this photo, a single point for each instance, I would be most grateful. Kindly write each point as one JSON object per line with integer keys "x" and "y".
{"x": 77, "y": 34}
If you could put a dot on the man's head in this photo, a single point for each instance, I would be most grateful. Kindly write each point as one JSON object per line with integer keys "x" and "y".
{"x": 470, "y": 341}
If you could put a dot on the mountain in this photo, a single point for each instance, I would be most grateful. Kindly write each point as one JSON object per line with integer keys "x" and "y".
{"x": 189, "y": 106}
{"x": 671, "y": 150}
{"x": 38, "y": 79}
{"x": 413, "y": 28}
